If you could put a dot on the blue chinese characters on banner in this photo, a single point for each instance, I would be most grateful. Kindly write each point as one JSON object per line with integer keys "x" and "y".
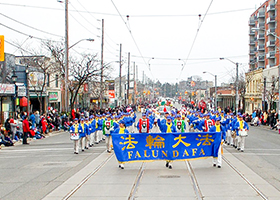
{"x": 165, "y": 146}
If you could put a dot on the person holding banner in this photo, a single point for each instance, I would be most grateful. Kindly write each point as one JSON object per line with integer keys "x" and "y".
{"x": 143, "y": 124}
{"x": 241, "y": 128}
{"x": 121, "y": 130}
{"x": 168, "y": 127}
{"x": 75, "y": 130}
{"x": 218, "y": 128}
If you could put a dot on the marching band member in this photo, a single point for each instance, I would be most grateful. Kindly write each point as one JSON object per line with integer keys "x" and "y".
{"x": 241, "y": 126}
{"x": 99, "y": 124}
{"x": 92, "y": 130}
{"x": 75, "y": 131}
{"x": 144, "y": 124}
{"x": 179, "y": 124}
{"x": 229, "y": 139}
{"x": 88, "y": 124}
{"x": 121, "y": 130}
{"x": 218, "y": 128}
{"x": 208, "y": 123}
{"x": 107, "y": 130}
{"x": 186, "y": 121}
{"x": 83, "y": 134}
{"x": 233, "y": 129}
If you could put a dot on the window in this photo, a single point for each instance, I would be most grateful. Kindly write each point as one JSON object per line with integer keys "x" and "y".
{"x": 48, "y": 80}
{"x": 56, "y": 80}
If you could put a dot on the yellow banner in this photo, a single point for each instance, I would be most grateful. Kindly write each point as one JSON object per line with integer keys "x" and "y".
{"x": 2, "y": 56}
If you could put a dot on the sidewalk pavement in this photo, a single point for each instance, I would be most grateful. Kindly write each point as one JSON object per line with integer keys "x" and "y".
{"x": 50, "y": 134}
{"x": 102, "y": 179}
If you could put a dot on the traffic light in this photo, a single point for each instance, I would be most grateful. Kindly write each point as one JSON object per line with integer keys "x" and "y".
{"x": 2, "y": 56}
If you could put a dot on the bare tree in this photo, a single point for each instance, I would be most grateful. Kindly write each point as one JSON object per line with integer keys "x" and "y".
{"x": 39, "y": 68}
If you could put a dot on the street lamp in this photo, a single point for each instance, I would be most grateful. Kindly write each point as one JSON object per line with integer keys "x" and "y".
{"x": 236, "y": 85}
{"x": 255, "y": 29}
{"x": 215, "y": 88}
{"x": 67, "y": 66}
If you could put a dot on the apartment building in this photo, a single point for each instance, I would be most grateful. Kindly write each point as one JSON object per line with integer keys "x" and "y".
{"x": 264, "y": 32}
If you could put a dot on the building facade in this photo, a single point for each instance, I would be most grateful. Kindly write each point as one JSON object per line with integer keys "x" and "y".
{"x": 264, "y": 32}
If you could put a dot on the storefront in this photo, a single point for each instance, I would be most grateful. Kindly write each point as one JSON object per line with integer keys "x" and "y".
{"x": 7, "y": 97}
{"x": 54, "y": 100}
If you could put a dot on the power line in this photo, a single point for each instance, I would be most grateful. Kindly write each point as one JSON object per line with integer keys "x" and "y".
{"x": 129, "y": 30}
{"x": 112, "y": 14}
{"x": 195, "y": 37}
{"x": 83, "y": 16}
{"x": 19, "y": 47}
{"x": 27, "y": 34}
{"x": 30, "y": 26}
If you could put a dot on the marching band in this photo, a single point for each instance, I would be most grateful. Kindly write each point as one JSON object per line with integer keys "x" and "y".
{"x": 87, "y": 132}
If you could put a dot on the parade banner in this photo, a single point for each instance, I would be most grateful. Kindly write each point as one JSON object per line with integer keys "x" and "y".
{"x": 165, "y": 146}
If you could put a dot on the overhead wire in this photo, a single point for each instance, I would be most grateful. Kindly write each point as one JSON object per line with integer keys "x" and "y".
{"x": 112, "y": 14}
{"x": 14, "y": 45}
{"x": 90, "y": 13}
{"x": 30, "y": 26}
{"x": 190, "y": 51}
{"x": 129, "y": 30}
{"x": 20, "y": 46}
{"x": 38, "y": 38}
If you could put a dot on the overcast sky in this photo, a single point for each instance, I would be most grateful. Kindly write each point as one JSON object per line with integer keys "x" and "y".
{"x": 161, "y": 29}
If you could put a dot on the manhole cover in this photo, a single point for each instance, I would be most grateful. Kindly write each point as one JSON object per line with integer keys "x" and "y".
{"x": 169, "y": 176}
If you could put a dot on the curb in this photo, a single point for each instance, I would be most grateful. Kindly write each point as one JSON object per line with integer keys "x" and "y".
{"x": 18, "y": 143}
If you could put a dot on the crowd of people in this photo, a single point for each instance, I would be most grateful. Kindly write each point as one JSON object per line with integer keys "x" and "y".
{"x": 266, "y": 118}
{"x": 93, "y": 128}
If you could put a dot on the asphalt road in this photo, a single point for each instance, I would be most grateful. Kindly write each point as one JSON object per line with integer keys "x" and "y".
{"x": 32, "y": 171}
{"x": 262, "y": 151}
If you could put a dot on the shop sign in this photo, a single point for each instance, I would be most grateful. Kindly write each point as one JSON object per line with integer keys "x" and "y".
{"x": 53, "y": 96}
{"x": 7, "y": 89}
{"x": 111, "y": 94}
{"x": 21, "y": 91}
{"x": 36, "y": 80}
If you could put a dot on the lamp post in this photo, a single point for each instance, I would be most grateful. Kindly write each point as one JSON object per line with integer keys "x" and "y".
{"x": 216, "y": 106}
{"x": 236, "y": 85}
{"x": 67, "y": 66}
{"x": 14, "y": 79}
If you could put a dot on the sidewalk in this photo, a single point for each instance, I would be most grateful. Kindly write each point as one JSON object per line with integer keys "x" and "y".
{"x": 19, "y": 142}
{"x": 102, "y": 179}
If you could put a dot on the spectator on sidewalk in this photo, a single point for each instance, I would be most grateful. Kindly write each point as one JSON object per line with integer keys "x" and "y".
{"x": 8, "y": 126}
{"x": 13, "y": 125}
{"x": 37, "y": 118}
{"x": 4, "y": 138}
{"x": 26, "y": 130}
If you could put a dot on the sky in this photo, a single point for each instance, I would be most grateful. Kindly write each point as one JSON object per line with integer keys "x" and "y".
{"x": 168, "y": 40}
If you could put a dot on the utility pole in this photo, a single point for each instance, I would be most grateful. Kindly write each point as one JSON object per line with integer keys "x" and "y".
{"x": 216, "y": 95}
{"x": 134, "y": 84}
{"x": 264, "y": 91}
{"x": 66, "y": 56}
{"x": 128, "y": 78}
{"x": 237, "y": 98}
{"x": 120, "y": 95}
{"x": 101, "y": 73}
